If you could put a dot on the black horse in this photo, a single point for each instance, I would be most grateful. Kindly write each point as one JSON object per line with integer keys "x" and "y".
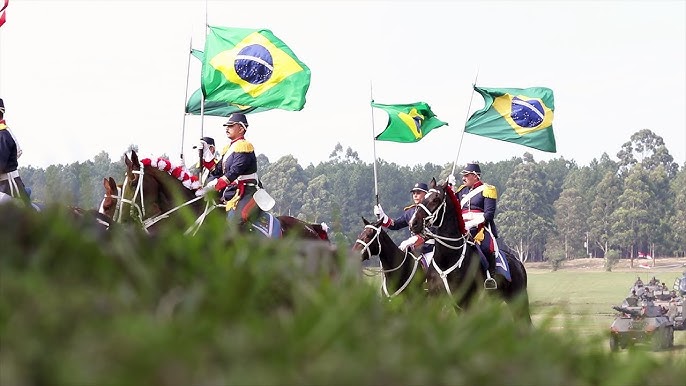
{"x": 456, "y": 266}
{"x": 399, "y": 268}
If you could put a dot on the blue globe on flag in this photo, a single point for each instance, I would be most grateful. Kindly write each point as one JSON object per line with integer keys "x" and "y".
{"x": 254, "y": 64}
{"x": 527, "y": 113}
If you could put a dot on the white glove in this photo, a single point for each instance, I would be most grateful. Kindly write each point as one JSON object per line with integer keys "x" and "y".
{"x": 451, "y": 180}
{"x": 381, "y": 215}
{"x": 378, "y": 211}
{"x": 208, "y": 188}
{"x": 207, "y": 153}
{"x": 203, "y": 191}
{"x": 472, "y": 224}
{"x": 413, "y": 241}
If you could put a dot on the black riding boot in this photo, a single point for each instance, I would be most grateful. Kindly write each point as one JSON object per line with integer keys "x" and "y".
{"x": 490, "y": 282}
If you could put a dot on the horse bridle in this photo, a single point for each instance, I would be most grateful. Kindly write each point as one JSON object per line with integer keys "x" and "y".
{"x": 140, "y": 210}
{"x": 365, "y": 247}
{"x": 429, "y": 221}
{"x": 117, "y": 196}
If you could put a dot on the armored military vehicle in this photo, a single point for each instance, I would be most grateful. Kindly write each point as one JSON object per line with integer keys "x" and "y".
{"x": 646, "y": 323}
{"x": 680, "y": 285}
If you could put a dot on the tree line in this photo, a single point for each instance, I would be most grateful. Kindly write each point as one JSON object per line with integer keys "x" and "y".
{"x": 547, "y": 210}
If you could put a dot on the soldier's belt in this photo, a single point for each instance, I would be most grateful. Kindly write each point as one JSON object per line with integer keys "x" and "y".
{"x": 8, "y": 175}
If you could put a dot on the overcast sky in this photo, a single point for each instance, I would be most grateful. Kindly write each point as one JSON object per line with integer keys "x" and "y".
{"x": 79, "y": 77}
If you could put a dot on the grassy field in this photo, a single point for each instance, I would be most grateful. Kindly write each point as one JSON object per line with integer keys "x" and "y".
{"x": 577, "y": 299}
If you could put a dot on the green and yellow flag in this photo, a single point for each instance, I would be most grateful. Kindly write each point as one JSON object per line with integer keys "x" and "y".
{"x": 522, "y": 116}
{"x": 408, "y": 123}
{"x": 218, "y": 109}
{"x": 252, "y": 68}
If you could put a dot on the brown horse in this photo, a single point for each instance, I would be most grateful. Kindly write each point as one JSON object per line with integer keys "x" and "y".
{"x": 456, "y": 266}
{"x": 108, "y": 205}
{"x": 154, "y": 191}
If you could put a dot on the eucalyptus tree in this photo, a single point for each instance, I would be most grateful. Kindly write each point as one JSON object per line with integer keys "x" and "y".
{"x": 319, "y": 204}
{"x": 497, "y": 173}
{"x": 633, "y": 219}
{"x": 570, "y": 221}
{"x": 524, "y": 216}
{"x": 677, "y": 220}
{"x": 603, "y": 204}
{"x": 286, "y": 182}
{"x": 648, "y": 149}
{"x": 58, "y": 184}
{"x": 85, "y": 189}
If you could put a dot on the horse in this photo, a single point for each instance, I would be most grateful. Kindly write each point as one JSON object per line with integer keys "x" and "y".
{"x": 456, "y": 266}
{"x": 155, "y": 191}
{"x": 399, "y": 268}
{"x": 108, "y": 205}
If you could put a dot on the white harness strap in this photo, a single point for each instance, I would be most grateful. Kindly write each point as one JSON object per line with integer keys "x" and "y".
{"x": 465, "y": 199}
{"x": 384, "y": 287}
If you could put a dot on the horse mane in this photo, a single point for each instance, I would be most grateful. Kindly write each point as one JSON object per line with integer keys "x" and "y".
{"x": 458, "y": 211}
{"x": 188, "y": 180}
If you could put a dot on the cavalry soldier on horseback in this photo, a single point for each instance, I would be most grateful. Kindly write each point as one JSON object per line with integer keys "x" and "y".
{"x": 10, "y": 182}
{"x": 418, "y": 192}
{"x": 211, "y": 167}
{"x": 478, "y": 202}
{"x": 237, "y": 179}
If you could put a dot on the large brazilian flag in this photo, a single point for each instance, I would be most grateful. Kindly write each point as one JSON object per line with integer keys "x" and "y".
{"x": 247, "y": 67}
{"x": 522, "y": 116}
{"x": 217, "y": 108}
{"x": 408, "y": 122}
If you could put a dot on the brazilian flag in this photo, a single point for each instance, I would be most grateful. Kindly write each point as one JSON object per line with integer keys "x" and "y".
{"x": 218, "y": 109}
{"x": 408, "y": 123}
{"x": 522, "y": 116}
{"x": 252, "y": 68}
{"x": 214, "y": 108}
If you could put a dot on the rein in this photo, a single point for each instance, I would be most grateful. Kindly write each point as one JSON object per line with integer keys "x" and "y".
{"x": 429, "y": 221}
{"x": 384, "y": 287}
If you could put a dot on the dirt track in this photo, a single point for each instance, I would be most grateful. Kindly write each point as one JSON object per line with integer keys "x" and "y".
{"x": 623, "y": 265}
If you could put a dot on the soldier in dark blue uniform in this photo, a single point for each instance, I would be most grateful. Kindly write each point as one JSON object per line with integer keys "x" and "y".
{"x": 238, "y": 180}
{"x": 419, "y": 190}
{"x": 10, "y": 182}
{"x": 478, "y": 203}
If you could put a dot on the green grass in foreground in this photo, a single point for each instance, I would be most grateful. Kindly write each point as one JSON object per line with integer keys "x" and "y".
{"x": 82, "y": 307}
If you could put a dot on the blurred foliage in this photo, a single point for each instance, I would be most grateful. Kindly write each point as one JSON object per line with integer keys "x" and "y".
{"x": 80, "y": 305}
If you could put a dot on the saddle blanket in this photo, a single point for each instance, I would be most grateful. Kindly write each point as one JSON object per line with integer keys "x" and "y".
{"x": 501, "y": 266}
{"x": 268, "y": 225}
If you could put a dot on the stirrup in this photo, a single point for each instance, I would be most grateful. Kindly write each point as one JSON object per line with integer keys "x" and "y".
{"x": 490, "y": 283}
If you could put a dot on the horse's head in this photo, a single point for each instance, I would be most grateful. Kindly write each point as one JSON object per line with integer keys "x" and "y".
{"x": 108, "y": 206}
{"x": 431, "y": 210}
{"x": 368, "y": 242}
{"x": 154, "y": 189}
{"x": 139, "y": 192}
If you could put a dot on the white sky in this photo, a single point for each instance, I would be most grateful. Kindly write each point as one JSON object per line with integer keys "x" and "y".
{"x": 79, "y": 77}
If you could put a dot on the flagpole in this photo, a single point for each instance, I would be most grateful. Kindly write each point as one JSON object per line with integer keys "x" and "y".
{"x": 469, "y": 108}
{"x": 376, "y": 184}
{"x": 185, "y": 98}
{"x": 202, "y": 110}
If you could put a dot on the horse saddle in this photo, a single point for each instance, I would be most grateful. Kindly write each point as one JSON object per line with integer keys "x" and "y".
{"x": 268, "y": 225}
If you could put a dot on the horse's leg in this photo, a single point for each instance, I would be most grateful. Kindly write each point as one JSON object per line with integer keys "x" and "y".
{"x": 515, "y": 293}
